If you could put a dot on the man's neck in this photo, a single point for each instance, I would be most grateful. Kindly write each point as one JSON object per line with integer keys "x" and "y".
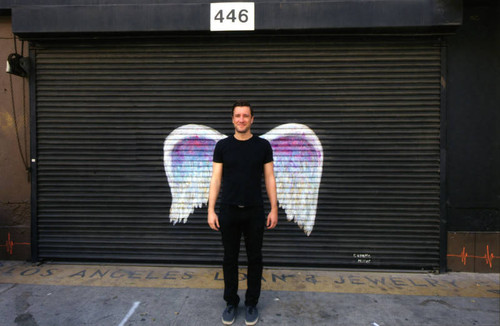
{"x": 242, "y": 137}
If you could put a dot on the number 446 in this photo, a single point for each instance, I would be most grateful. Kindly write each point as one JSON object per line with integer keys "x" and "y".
{"x": 242, "y": 16}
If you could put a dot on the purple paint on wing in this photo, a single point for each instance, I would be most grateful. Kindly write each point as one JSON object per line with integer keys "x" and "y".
{"x": 194, "y": 150}
{"x": 295, "y": 148}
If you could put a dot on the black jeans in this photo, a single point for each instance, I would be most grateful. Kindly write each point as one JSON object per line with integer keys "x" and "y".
{"x": 235, "y": 221}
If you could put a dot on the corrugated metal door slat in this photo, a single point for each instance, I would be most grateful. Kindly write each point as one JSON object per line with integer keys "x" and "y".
{"x": 104, "y": 110}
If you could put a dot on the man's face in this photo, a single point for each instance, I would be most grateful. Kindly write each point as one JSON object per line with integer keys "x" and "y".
{"x": 242, "y": 119}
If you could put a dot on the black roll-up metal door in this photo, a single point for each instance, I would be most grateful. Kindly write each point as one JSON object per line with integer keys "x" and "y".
{"x": 104, "y": 109}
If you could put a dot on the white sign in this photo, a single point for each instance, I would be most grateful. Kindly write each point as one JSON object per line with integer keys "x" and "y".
{"x": 232, "y": 16}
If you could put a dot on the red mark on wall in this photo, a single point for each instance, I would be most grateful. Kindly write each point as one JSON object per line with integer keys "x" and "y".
{"x": 9, "y": 244}
{"x": 488, "y": 257}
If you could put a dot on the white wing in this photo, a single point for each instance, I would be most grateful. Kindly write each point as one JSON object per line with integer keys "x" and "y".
{"x": 187, "y": 158}
{"x": 298, "y": 165}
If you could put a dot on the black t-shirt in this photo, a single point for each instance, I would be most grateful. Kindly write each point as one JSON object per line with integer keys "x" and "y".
{"x": 242, "y": 169}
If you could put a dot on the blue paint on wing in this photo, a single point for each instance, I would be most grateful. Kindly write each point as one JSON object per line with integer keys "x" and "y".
{"x": 295, "y": 155}
{"x": 193, "y": 154}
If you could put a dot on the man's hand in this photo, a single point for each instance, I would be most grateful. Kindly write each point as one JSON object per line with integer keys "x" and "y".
{"x": 272, "y": 219}
{"x": 212, "y": 218}
{"x": 213, "y": 221}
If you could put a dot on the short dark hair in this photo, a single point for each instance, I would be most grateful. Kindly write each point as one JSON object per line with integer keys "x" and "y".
{"x": 242, "y": 103}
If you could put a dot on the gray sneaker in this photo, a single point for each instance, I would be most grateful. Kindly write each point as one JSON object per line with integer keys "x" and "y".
{"x": 251, "y": 315}
{"x": 229, "y": 315}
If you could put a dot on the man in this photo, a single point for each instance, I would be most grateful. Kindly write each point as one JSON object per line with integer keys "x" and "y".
{"x": 239, "y": 163}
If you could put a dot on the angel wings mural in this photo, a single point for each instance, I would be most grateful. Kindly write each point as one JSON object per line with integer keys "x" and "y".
{"x": 298, "y": 165}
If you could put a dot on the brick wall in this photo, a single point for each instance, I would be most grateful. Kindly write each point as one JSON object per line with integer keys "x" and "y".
{"x": 15, "y": 214}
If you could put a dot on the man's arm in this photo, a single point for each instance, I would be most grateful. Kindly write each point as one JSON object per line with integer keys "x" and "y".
{"x": 213, "y": 219}
{"x": 272, "y": 218}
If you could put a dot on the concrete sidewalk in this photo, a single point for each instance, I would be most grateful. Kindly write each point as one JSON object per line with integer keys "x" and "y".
{"x": 64, "y": 294}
